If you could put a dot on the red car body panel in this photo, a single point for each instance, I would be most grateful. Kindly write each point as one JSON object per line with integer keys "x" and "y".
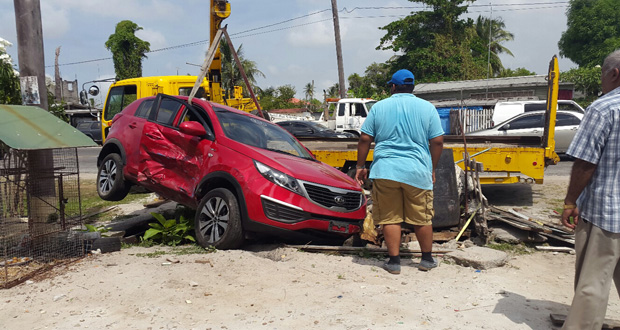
{"x": 173, "y": 164}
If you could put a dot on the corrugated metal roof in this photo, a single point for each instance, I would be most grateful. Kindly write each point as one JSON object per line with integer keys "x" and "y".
{"x": 29, "y": 128}
{"x": 495, "y": 83}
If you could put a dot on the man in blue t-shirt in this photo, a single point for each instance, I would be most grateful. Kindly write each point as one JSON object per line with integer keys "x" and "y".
{"x": 408, "y": 141}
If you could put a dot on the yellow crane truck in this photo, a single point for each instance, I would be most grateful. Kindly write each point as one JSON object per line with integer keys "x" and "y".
{"x": 121, "y": 93}
{"x": 504, "y": 159}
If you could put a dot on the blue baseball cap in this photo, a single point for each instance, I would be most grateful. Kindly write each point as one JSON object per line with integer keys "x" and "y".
{"x": 402, "y": 77}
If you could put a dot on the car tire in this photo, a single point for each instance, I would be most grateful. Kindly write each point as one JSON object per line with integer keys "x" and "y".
{"x": 218, "y": 220}
{"x": 111, "y": 184}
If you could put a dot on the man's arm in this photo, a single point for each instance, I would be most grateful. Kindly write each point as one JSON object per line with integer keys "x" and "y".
{"x": 579, "y": 178}
{"x": 436, "y": 147}
{"x": 363, "y": 146}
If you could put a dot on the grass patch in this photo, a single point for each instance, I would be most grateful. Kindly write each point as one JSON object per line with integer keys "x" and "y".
{"x": 515, "y": 249}
{"x": 91, "y": 202}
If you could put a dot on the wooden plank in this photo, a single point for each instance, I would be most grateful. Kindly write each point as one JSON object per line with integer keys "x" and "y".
{"x": 556, "y": 249}
{"x": 441, "y": 236}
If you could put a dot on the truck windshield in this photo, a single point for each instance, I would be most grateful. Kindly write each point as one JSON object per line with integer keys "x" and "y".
{"x": 257, "y": 133}
{"x": 369, "y": 105}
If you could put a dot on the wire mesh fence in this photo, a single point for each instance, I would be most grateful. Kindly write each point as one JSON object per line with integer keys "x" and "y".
{"x": 40, "y": 212}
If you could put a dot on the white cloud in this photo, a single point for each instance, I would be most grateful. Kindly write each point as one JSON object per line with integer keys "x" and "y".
{"x": 55, "y": 21}
{"x": 318, "y": 32}
{"x": 155, "y": 38}
{"x": 122, "y": 9}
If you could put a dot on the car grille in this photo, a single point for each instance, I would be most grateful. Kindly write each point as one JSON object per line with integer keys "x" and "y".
{"x": 333, "y": 198}
{"x": 279, "y": 212}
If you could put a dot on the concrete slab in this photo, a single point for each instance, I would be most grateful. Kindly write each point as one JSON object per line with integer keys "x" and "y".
{"x": 478, "y": 257}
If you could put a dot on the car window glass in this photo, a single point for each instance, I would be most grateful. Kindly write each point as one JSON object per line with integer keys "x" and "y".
{"x": 167, "y": 111}
{"x": 299, "y": 126}
{"x": 83, "y": 125}
{"x": 95, "y": 125}
{"x": 118, "y": 98}
{"x": 185, "y": 91}
{"x": 526, "y": 122}
{"x": 193, "y": 115}
{"x": 535, "y": 107}
{"x": 565, "y": 119}
{"x": 341, "y": 108}
{"x": 144, "y": 110}
{"x": 359, "y": 110}
{"x": 258, "y": 133}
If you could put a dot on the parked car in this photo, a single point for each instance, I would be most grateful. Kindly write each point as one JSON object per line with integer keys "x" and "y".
{"x": 506, "y": 110}
{"x": 310, "y": 129}
{"x": 532, "y": 124}
{"x": 241, "y": 173}
{"x": 92, "y": 129}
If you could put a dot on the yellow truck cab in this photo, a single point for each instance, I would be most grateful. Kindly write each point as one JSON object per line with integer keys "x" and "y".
{"x": 123, "y": 92}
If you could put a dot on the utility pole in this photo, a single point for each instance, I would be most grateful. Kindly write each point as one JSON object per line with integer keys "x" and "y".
{"x": 338, "y": 50}
{"x": 30, "y": 51}
{"x": 40, "y": 182}
{"x": 57, "y": 79}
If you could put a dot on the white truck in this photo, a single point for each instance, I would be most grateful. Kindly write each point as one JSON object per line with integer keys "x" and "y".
{"x": 349, "y": 114}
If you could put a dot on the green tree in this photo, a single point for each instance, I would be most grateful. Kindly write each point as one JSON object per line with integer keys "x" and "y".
{"x": 231, "y": 75}
{"x": 9, "y": 79}
{"x": 436, "y": 45}
{"x": 518, "y": 72}
{"x": 374, "y": 82}
{"x": 309, "y": 91}
{"x": 127, "y": 50}
{"x": 593, "y": 31}
{"x": 586, "y": 80}
{"x": 277, "y": 98}
{"x": 493, "y": 34}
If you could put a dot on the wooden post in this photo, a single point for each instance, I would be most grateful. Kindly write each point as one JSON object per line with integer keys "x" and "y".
{"x": 341, "y": 85}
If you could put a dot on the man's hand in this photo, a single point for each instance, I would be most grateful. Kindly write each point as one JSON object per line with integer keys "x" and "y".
{"x": 566, "y": 214}
{"x": 361, "y": 174}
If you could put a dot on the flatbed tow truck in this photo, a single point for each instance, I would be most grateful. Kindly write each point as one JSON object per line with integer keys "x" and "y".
{"x": 505, "y": 159}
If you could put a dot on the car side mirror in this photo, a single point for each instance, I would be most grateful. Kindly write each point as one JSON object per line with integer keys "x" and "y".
{"x": 192, "y": 128}
{"x": 505, "y": 127}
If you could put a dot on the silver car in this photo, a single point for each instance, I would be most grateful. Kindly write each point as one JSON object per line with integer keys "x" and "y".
{"x": 532, "y": 124}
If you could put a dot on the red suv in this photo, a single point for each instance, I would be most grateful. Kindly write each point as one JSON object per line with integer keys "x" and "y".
{"x": 241, "y": 173}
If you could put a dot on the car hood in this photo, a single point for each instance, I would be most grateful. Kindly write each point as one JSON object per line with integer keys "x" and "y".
{"x": 314, "y": 171}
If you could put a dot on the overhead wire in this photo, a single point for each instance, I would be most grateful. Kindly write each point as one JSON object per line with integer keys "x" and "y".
{"x": 243, "y": 34}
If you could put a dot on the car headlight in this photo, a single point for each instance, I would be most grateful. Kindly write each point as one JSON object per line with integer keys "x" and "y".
{"x": 283, "y": 180}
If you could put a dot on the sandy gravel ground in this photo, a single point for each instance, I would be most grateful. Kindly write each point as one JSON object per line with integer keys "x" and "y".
{"x": 275, "y": 287}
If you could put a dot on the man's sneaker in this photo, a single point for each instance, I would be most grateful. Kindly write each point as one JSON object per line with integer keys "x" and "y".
{"x": 392, "y": 268}
{"x": 427, "y": 265}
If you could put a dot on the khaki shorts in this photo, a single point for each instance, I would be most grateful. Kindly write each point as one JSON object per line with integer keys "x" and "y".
{"x": 395, "y": 202}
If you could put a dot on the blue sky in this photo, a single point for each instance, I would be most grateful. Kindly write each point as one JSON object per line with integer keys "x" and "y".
{"x": 296, "y": 52}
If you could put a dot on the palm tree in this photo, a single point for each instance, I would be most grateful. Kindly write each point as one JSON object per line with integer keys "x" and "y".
{"x": 309, "y": 91}
{"x": 493, "y": 40}
{"x": 231, "y": 76}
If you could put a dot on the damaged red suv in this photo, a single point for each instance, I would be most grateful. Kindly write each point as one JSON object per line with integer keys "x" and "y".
{"x": 241, "y": 173}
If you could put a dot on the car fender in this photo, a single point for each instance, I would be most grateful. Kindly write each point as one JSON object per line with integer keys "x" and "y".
{"x": 222, "y": 179}
{"x": 111, "y": 146}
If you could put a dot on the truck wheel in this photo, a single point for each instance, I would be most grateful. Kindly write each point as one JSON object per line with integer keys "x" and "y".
{"x": 111, "y": 184}
{"x": 218, "y": 220}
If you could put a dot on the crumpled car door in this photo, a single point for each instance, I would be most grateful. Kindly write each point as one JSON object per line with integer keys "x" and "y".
{"x": 170, "y": 160}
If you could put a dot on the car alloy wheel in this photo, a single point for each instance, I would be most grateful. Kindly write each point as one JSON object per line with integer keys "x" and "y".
{"x": 218, "y": 220}
{"x": 111, "y": 185}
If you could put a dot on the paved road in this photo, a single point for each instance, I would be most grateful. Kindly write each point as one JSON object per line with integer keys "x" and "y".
{"x": 87, "y": 157}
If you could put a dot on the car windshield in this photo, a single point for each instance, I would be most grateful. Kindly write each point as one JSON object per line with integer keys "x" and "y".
{"x": 370, "y": 104}
{"x": 257, "y": 133}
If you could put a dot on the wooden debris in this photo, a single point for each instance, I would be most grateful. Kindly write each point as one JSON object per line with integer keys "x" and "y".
{"x": 357, "y": 250}
{"x": 556, "y": 249}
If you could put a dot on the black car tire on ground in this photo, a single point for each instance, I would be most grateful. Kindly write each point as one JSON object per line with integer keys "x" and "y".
{"x": 111, "y": 184}
{"x": 218, "y": 220}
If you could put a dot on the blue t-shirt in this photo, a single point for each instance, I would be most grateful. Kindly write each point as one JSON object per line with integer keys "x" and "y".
{"x": 402, "y": 126}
